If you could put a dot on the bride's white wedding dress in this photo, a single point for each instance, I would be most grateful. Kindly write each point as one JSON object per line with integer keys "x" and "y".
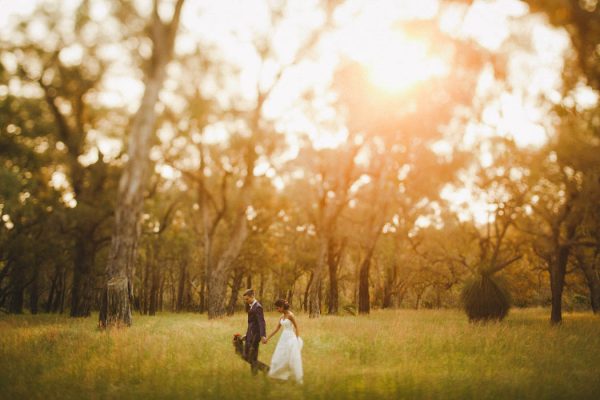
{"x": 287, "y": 358}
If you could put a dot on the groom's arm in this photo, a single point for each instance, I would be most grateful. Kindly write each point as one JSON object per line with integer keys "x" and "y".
{"x": 261, "y": 322}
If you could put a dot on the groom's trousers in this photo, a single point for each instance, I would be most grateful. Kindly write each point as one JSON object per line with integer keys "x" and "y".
{"x": 252, "y": 355}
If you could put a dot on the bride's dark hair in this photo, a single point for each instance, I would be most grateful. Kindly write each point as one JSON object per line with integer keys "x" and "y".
{"x": 283, "y": 304}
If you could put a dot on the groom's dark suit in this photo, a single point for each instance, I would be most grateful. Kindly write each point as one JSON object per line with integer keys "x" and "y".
{"x": 256, "y": 331}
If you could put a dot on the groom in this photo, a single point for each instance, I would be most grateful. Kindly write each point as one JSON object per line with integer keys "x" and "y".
{"x": 256, "y": 331}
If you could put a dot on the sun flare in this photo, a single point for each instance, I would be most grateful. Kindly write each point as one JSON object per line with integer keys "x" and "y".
{"x": 403, "y": 64}
{"x": 395, "y": 62}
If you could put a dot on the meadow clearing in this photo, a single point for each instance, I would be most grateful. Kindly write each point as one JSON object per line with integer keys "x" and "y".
{"x": 388, "y": 354}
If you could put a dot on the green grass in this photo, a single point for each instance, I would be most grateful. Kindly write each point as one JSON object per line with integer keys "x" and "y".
{"x": 389, "y": 354}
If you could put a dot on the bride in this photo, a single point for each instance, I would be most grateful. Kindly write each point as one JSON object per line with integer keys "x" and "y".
{"x": 287, "y": 360}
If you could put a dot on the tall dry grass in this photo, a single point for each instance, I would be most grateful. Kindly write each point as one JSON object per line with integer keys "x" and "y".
{"x": 389, "y": 354}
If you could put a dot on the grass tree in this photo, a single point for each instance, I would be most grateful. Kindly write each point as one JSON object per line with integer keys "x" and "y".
{"x": 484, "y": 295}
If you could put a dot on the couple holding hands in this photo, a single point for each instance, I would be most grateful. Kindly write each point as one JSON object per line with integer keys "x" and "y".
{"x": 286, "y": 362}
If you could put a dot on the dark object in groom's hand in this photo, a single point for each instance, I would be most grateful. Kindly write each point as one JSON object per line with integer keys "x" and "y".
{"x": 238, "y": 345}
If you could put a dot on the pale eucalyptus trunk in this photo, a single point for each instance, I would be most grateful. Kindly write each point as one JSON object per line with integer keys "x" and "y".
{"x": 118, "y": 296}
{"x": 218, "y": 276}
{"x": 116, "y": 307}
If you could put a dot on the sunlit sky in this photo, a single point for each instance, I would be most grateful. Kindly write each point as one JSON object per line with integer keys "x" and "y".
{"x": 367, "y": 33}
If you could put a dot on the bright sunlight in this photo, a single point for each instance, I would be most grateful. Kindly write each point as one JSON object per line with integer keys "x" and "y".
{"x": 397, "y": 62}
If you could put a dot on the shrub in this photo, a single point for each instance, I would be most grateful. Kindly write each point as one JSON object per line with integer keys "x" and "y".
{"x": 350, "y": 309}
{"x": 485, "y": 298}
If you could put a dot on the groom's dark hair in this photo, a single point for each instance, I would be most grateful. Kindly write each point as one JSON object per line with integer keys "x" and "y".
{"x": 249, "y": 292}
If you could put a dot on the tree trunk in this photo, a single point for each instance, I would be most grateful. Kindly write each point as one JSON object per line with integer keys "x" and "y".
{"x": 216, "y": 291}
{"x": 116, "y": 307}
{"x": 17, "y": 292}
{"x": 34, "y": 293}
{"x": 387, "y": 298}
{"x": 173, "y": 293}
{"x": 50, "y": 299}
{"x": 438, "y": 297}
{"x": 120, "y": 268}
{"x": 594, "y": 286}
{"x": 146, "y": 289}
{"x": 558, "y": 269}
{"x": 62, "y": 292}
{"x": 595, "y": 295}
{"x": 592, "y": 277}
{"x": 207, "y": 245}
{"x": 307, "y": 292}
{"x": 217, "y": 278}
{"x": 81, "y": 288}
{"x": 202, "y": 294}
{"x": 181, "y": 287}
{"x": 290, "y": 296}
{"x": 218, "y": 275}
{"x": 388, "y": 286}
{"x": 235, "y": 290}
{"x": 400, "y": 296}
{"x": 161, "y": 294}
{"x": 57, "y": 305}
{"x": 364, "y": 301}
{"x": 333, "y": 260}
{"x": 314, "y": 298}
{"x": 261, "y": 288}
{"x": 321, "y": 296}
{"x": 154, "y": 288}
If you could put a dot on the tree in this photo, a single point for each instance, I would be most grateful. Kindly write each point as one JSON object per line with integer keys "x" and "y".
{"x": 399, "y": 130}
{"x": 116, "y": 304}
{"x": 574, "y": 173}
{"x": 225, "y": 183}
{"x": 64, "y": 88}
{"x": 581, "y": 20}
{"x": 30, "y": 206}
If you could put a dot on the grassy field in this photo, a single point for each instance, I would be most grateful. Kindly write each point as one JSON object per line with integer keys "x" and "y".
{"x": 389, "y": 354}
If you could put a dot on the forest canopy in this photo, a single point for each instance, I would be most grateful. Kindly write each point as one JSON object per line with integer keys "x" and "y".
{"x": 343, "y": 155}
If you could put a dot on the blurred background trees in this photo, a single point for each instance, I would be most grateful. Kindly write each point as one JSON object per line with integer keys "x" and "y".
{"x": 283, "y": 164}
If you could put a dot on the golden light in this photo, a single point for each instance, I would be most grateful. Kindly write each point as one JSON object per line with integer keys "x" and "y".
{"x": 395, "y": 60}
{"x": 396, "y": 63}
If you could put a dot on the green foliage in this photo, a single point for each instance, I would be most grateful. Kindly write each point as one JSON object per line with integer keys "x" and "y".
{"x": 485, "y": 298}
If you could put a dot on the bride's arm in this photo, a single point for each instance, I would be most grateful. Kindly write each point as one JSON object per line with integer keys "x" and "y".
{"x": 293, "y": 319}
{"x": 274, "y": 332}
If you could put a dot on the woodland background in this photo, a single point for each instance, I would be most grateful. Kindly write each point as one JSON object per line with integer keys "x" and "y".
{"x": 197, "y": 189}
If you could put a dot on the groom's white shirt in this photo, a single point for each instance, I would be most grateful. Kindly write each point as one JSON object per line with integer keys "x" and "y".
{"x": 253, "y": 303}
